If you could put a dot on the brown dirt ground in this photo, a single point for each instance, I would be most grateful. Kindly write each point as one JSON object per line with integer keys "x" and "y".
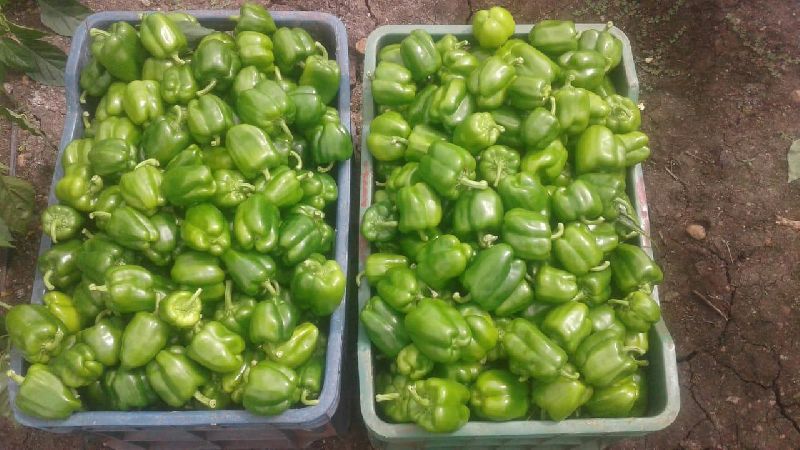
{"x": 722, "y": 107}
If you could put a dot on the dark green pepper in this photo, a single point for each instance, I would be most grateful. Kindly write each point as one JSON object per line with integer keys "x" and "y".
{"x": 490, "y": 81}
{"x": 188, "y": 185}
{"x": 144, "y": 336}
{"x": 602, "y": 359}
{"x": 130, "y": 228}
{"x": 638, "y": 311}
{"x": 128, "y": 389}
{"x": 273, "y": 320}
{"x": 478, "y": 215}
{"x": 292, "y": 47}
{"x": 399, "y": 288}
{"x": 539, "y": 129}
{"x": 111, "y": 157}
{"x": 492, "y": 276}
{"x": 604, "y": 43}
{"x": 35, "y": 332}
{"x": 255, "y": 224}
{"x": 59, "y": 265}
{"x": 43, "y": 395}
{"x": 251, "y": 150}
{"x": 528, "y": 233}
{"x": 577, "y": 250}
{"x": 298, "y": 349}
{"x": 318, "y": 284}
{"x": 141, "y": 187}
{"x": 597, "y": 151}
{"x": 330, "y": 142}
{"x": 420, "y": 55}
{"x": 452, "y": 103}
{"x": 419, "y": 208}
{"x": 384, "y": 327}
{"x": 142, "y": 101}
{"x": 251, "y": 272}
{"x": 568, "y": 324}
{"x": 387, "y": 138}
{"x": 554, "y": 37}
{"x": 441, "y": 260}
{"x": 572, "y": 108}
{"x": 99, "y": 253}
{"x": 94, "y": 80}
{"x": 116, "y": 128}
{"x": 438, "y": 330}
{"x": 322, "y": 74}
{"x": 498, "y": 162}
{"x": 449, "y": 170}
{"x": 176, "y": 378}
{"x": 105, "y": 339}
{"x": 215, "y": 64}
{"x": 216, "y": 348}
{"x": 119, "y": 50}
{"x": 254, "y": 17}
{"x": 524, "y": 191}
{"x": 561, "y": 397}
{"x": 420, "y": 140}
{"x": 271, "y": 389}
{"x": 209, "y": 118}
{"x": 162, "y": 37}
{"x": 178, "y": 85}
{"x": 577, "y": 201}
{"x": 166, "y": 136}
{"x": 181, "y": 309}
{"x": 484, "y": 333}
{"x": 204, "y": 228}
{"x": 554, "y": 286}
{"x": 585, "y": 67}
{"x": 438, "y": 405}
{"x": 632, "y": 268}
{"x": 236, "y": 315}
{"x": 61, "y": 222}
{"x": 498, "y": 395}
{"x": 532, "y": 354}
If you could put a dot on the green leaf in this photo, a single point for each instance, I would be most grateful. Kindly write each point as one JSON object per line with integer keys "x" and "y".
{"x": 25, "y": 33}
{"x": 21, "y": 120}
{"x": 49, "y": 62}
{"x": 793, "y": 158}
{"x": 15, "y": 56}
{"x": 16, "y": 203}
{"x": 63, "y": 16}
{"x": 5, "y": 236}
{"x": 193, "y": 31}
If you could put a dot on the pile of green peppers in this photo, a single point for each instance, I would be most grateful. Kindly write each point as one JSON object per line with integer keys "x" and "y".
{"x": 504, "y": 283}
{"x": 190, "y": 261}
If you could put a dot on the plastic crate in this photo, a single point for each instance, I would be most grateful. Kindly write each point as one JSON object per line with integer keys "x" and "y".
{"x": 299, "y": 422}
{"x": 664, "y": 396}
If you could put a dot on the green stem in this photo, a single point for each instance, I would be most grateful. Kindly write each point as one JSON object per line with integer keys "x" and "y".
{"x": 102, "y": 315}
{"x": 53, "y": 232}
{"x": 325, "y": 168}
{"x": 285, "y": 128}
{"x": 487, "y": 240}
{"x": 569, "y": 374}
{"x": 87, "y": 233}
{"x": 597, "y": 221}
{"x": 98, "y": 32}
{"x": 642, "y": 363}
{"x": 618, "y": 302}
{"x": 387, "y": 397}
{"x": 86, "y": 122}
{"x": 306, "y": 401}
{"x": 47, "y": 282}
{"x": 472, "y": 184}
{"x": 601, "y": 267}
{"x": 210, "y": 402}
{"x": 216, "y": 141}
{"x": 270, "y": 288}
{"x": 228, "y": 295}
{"x": 15, "y": 377}
{"x": 178, "y": 59}
{"x": 399, "y": 140}
{"x": 102, "y": 214}
{"x": 267, "y": 175}
{"x": 147, "y": 162}
{"x": 101, "y": 288}
{"x": 559, "y": 231}
{"x": 422, "y": 236}
{"x": 278, "y": 75}
{"x": 298, "y": 158}
{"x": 322, "y": 49}
{"x": 360, "y": 277}
{"x": 208, "y": 88}
{"x": 83, "y": 97}
{"x": 422, "y": 401}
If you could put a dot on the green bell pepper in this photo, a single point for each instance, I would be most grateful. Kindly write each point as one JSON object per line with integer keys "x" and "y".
{"x": 94, "y": 80}
{"x": 252, "y": 273}
{"x": 528, "y": 233}
{"x": 441, "y": 260}
{"x": 478, "y": 215}
{"x": 235, "y": 315}
{"x": 603, "y": 317}
{"x": 144, "y": 336}
{"x": 387, "y": 138}
{"x": 162, "y": 37}
{"x": 572, "y": 107}
{"x": 292, "y": 47}
{"x": 438, "y": 330}
{"x": 638, "y": 311}
{"x": 457, "y": 63}
{"x": 254, "y": 17}
{"x": 597, "y": 151}
{"x": 141, "y": 187}
{"x": 273, "y": 320}
{"x": 419, "y": 111}
{"x": 188, "y": 185}
{"x": 128, "y": 389}
{"x": 330, "y": 142}
{"x": 617, "y": 400}
{"x": 251, "y": 150}
{"x": 492, "y": 27}
{"x": 399, "y": 288}
{"x": 527, "y": 92}
{"x": 43, "y": 395}
{"x": 255, "y": 49}
{"x": 298, "y": 349}
{"x": 35, "y": 332}
{"x": 548, "y": 163}
{"x": 492, "y": 276}
{"x": 119, "y": 50}
{"x": 98, "y": 254}
{"x": 116, "y": 128}
{"x": 318, "y": 285}
{"x": 624, "y": 115}
{"x": 420, "y": 140}
{"x": 464, "y": 372}
{"x": 438, "y": 405}
{"x": 532, "y": 62}
{"x": 215, "y": 64}
{"x": 142, "y": 101}
{"x": 176, "y": 378}
{"x": 484, "y": 333}
{"x": 554, "y": 37}
{"x": 605, "y": 235}
{"x": 603, "y": 359}
{"x": 209, "y": 118}
{"x": 59, "y": 265}
{"x": 585, "y": 68}
{"x": 568, "y": 324}
{"x": 62, "y": 306}
{"x": 539, "y": 129}
{"x": 178, "y": 85}
{"x": 322, "y": 74}
{"x": 498, "y": 395}
{"x": 390, "y": 53}
{"x": 107, "y": 201}
{"x": 449, "y": 170}
{"x": 554, "y": 286}
{"x": 181, "y": 309}
{"x": 76, "y": 153}
{"x": 232, "y": 188}
{"x": 451, "y": 104}
{"x": 267, "y": 106}
{"x": 420, "y": 55}
{"x": 110, "y": 157}
{"x": 577, "y": 250}
{"x": 522, "y": 190}
{"x": 216, "y": 348}
{"x": 204, "y": 228}
{"x": 632, "y": 269}
{"x": 130, "y": 288}
{"x": 166, "y": 136}
{"x": 308, "y": 105}
{"x": 378, "y": 265}
{"x": 604, "y": 43}
{"x": 129, "y": 228}
{"x": 88, "y": 303}
{"x": 271, "y": 389}
{"x": 282, "y": 187}
{"x": 61, "y": 222}
{"x": 595, "y": 286}
{"x": 561, "y": 397}
{"x": 532, "y": 354}
{"x": 419, "y": 208}
{"x": 255, "y": 224}
{"x": 379, "y": 223}
{"x": 577, "y": 201}
{"x": 384, "y": 326}
{"x": 636, "y": 145}
{"x": 104, "y": 338}
{"x": 498, "y": 162}
{"x": 412, "y": 363}
{"x": 299, "y": 237}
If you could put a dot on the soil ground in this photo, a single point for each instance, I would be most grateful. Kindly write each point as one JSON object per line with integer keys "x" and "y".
{"x": 721, "y": 85}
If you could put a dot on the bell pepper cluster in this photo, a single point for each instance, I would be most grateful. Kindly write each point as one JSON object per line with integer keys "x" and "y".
{"x": 190, "y": 265}
{"x": 505, "y": 281}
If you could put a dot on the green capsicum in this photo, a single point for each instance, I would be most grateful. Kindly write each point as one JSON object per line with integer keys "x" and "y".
{"x": 384, "y": 326}
{"x": 554, "y": 37}
{"x": 255, "y": 224}
{"x": 119, "y": 50}
{"x": 215, "y": 64}
{"x": 142, "y": 101}
{"x": 452, "y": 103}
{"x": 178, "y": 85}
{"x": 176, "y": 378}
{"x": 554, "y": 286}
{"x": 162, "y": 37}
{"x": 441, "y": 260}
{"x": 577, "y": 250}
{"x": 597, "y": 151}
{"x": 59, "y": 265}
{"x": 110, "y": 157}
{"x": 387, "y": 138}
{"x": 638, "y": 311}
{"x": 419, "y": 208}
{"x": 141, "y": 187}
{"x": 478, "y": 215}
{"x": 208, "y": 119}
{"x": 492, "y": 276}
{"x": 188, "y": 185}
{"x": 318, "y": 284}
{"x": 420, "y": 55}
{"x": 603, "y": 359}
{"x": 586, "y": 68}
{"x": 568, "y": 324}
{"x": 35, "y": 332}
{"x": 438, "y": 405}
{"x": 528, "y": 233}
{"x": 166, "y": 136}
{"x": 492, "y": 27}
{"x": 61, "y": 222}
{"x": 254, "y": 17}
{"x": 62, "y": 306}
{"x": 532, "y": 354}
{"x": 438, "y": 330}
{"x": 561, "y": 397}
{"x": 143, "y": 337}
{"x": 271, "y": 388}
{"x": 205, "y": 228}
{"x": 449, "y": 170}
{"x": 216, "y": 348}
{"x": 322, "y": 74}
{"x": 632, "y": 268}
{"x": 498, "y": 395}
{"x": 43, "y": 395}
{"x": 181, "y": 309}
{"x": 298, "y": 349}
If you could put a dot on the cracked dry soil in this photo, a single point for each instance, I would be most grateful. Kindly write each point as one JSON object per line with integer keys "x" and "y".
{"x": 722, "y": 107}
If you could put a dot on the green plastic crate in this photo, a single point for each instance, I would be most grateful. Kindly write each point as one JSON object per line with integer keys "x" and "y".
{"x": 664, "y": 396}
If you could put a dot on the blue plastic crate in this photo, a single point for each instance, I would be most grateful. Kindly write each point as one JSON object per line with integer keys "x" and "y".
{"x": 328, "y": 30}
{"x": 591, "y": 433}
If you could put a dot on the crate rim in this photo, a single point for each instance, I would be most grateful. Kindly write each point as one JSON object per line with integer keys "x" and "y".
{"x": 592, "y": 427}
{"x": 307, "y": 417}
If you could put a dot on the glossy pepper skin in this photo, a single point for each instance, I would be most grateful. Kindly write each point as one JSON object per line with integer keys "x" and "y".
{"x": 142, "y": 101}
{"x": 119, "y": 50}
{"x": 539, "y": 128}
{"x": 636, "y": 145}
{"x": 547, "y": 163}
{"x": 527, "y": 92}
{"x": 477, "y": 132}
{"x": 61, "y": 222}
{"x": 330, "y": 142}
{"x": 532, "y": 354}
{"x": 595, "y": 286}
{"x": 603, "y": 359}
{"x": 141, "y": 187}
{"x": 98, "y": 254}
{"x": 388, "y": 136}
{"x": 442, "y": 259}
{"x": 568, "y": 324}
{"x": 498, "y": 395}
{"x": 255, "y": 49}
{"x": 522, "y": 190}
{"x": 577, "y": 201}
{"x": 35, "y": 332}
{"x": 283, "y": 187}
{"x": 107, "y": 201}
{"x": 438, "y": 405}
{"x": 130, "y": 228}
{"x": 110, "y": 157}
{"x": 216, "y": 348}
{"x": 603, "y": 317}
{"x": 215, "y": 64}
{"x": 162, "y": 37}
{"x": 144, "y": 336}
{"x": 624, "y": 115}
{"x": 153, "y": 68}
{"x": 181, "y": 309}
{"x": 76, "y": 152}
{"x": 256, "y": 224}
{"x": 493, "y": 275}
{"x": 617, "y": 400}
{"x": 208, "y": 119}
{"x": 273, "y": 320}
{"x": 251, "y": 150}
{"x": 493, "y": 26}
{"x": 572, "y": 108}
{"x": 561, "y": 397}
{"x": 532, "y": 62}
{"x": 457, "y": 63}
{"x": 462, "y": 372}
{"x": 104, "y": 338}
{"x": 43, "y": 395}
{"x": 554, "y": 37}
{"x": 419, "y": 111}
{"x": 554, "y": 286}
{"x": 293, "y": 46}
{"x": 449, "y": 169}
{"x": 632, "y": 268}
{"x": 166, "y": 136}
{"x": 59, "y": 265}
{"x": 528, "y": 233}
{"x": 420, "y": 55}
{"x": 188, "y": 185}
{"x": 419, "y": 208}
{"x": 251, "y": 272}
{"x": 116, "y": 128}
{"x": 178, "y": 85}
{"x": 586, "y": 67}
{"x": 322, "y": 74}
{"x": 412, "y": 363}
{"x": 384, "y": 326}
{"x": 77, "y": 366}
{"x": 498, "y": 162}
{"x": 87, "y": 303}
{"x": 254, "y": 17}
{"x": 176, "y": 378}
{"x": 477, "y": 215}
{"x": 298, "y": 349}
{"x": 438, "y": 330}
{"x": 267, "y": 106}
{"x": 597, "y": 151}
{"x": 380, "y": 221}
{"x": 309, "y": 107}
{"x": 205, "y": 228}
{"x": 318, "y": 284}
{"x": 577, "y": 249}
{"x": 484, "y": 333}
{"x": 638, "y": 311}
{"x": 110, "y": 105}
{"x": 232, "y": 188}
{"x": 379, "y": 264}
{"x": 420, "y": 140}
{"x": 452, "y": 103}
{"x": 271, "y": 389}
{"x": 128, "y": 389}
{"x": 62, "y": 306}
{"x": 95, "y": 80}
{"x": 393, "y": 85}
{"x": 489, "y": 82}
{"x": 400, "y": 288}
{"x": 130, "y": 288}
{"x": 604, "y": 43}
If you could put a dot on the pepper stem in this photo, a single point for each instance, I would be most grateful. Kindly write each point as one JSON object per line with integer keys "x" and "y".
{"x": 580, "y": 295}
{"x": 306, "y": 401}
{"x": 325, "y": 168}
{"x": 387, "y": 397}
{"x": 387, "y": 223}
{"x": 82, "y": 98}
{"x": 516, "y": 61}
{"x": 178, "y": 59}
{"x": 102, "y": 315}
{"x": 609, "y": 25}
{"x": 148, "y": 162}
{"x": 228, "y": 295}
{"x": 53, "y": 232}
{"x": 15, "y": 377}
{"x": 360, "y": 277}
{"x": 47, "y": 282}
{"x": 278, "y": 75}
{"x": 618, "y": 302}
{"x": 86, "y": 122}
{"x": 304, "y": 176}
{"x": 209, "y": 87}
{"x": 399, "y": 140}
{"x": 597, "y": 221}
{"x": 270, "y": 288}
{"x": 422, "y": 401}
{"x": 102, "y": 214}
{"x": 572, "y": 375}
{"x": 642, "y": 362}
{"x": 285, "y": 128}
{"x": 5, "y": 305}
{"x": 487, "y": 240}
{"x": 559, "y": 232}
{"x": 380, "y": 183}
{"x": 101, "y": 288}
{"x": 435, "y": 294}
{"x": 178, "y": 111}
{"x": 87, "y": 233}
{"x": 267, "y": 175}
{"x": 98, "y": 32}
{"x": 472, "y": 184}
{"x": 601, "y": 267}
{"x": 498, "y": 174}
{"x": 298, "y": 158}
{"x": 235, "y": 18}
{"x": 321, "y": 48}
{"x": 215, "y": 141}
{"x": 422, "y": 236}
{"x": 459, "y": 299}
{"x": 209, "y": 402}
{"x": 196, "y": 294}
